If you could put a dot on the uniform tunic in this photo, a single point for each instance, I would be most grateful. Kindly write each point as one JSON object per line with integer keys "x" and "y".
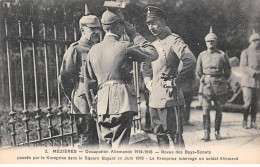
{"x": 112, "y": 60}
{"x": 171, "y": 50}
{"x": 72, "y": 76}
{"x": 72, "y": 82}
{"x": 250, "y": 65}
{"x": 214, "y": 70}
{"x": 110, "y": 63}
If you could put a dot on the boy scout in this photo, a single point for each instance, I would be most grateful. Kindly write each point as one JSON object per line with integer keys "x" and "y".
{"x": 72, "y": 78}
{"x": 214, "y": 70}
{"x": 109, "y": 63}
{"x": 165, "y": 98}
{"x": 250, "y": 65}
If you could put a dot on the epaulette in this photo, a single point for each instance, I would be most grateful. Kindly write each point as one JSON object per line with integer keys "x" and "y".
{"x": 175, "y": 35}
{"x": 220, "y": 51}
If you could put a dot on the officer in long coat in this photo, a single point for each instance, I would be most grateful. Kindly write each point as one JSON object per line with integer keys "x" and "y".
{"x": 214, "y": 69}
{"x": 250, "y": 65}
{"x": 72, "y": 79}
{"x": 109, "y": 63}
{"x": 166, "y": 96}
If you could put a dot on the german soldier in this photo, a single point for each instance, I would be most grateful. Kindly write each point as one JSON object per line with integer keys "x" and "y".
{"x": 72, "y": 78}
{"x": 214, "y": 69}
{"x": 250, "y": 65}
{"x": 109, "y": 63}
{"x": 166, "y": 98}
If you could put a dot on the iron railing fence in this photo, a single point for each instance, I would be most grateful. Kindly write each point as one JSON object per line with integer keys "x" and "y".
{"x": 34, "y": 36}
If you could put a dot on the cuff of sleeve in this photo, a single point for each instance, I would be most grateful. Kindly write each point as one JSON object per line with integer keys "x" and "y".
{"x": 137, "y": 39}
{"x": 146, "y": 80}
{"x": 174, "y": 82}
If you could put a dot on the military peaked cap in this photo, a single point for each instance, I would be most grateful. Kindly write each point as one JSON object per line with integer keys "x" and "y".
{"x": 154, "y": 13}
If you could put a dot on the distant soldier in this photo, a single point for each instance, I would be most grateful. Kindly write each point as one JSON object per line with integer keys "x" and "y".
{"x": 163, "y": 80}
{"x": 250, "y": 65}
{"x": 214, "y": 69}
{"x": 110, "y": 63}
{"x": 72, "y": 78}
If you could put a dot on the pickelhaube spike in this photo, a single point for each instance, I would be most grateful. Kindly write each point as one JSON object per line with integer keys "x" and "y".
{"x": 87, "y": 12}
{"x": 210, "y": 30}
{"x": 88, "y": 19}
{"x": 211, "y": 36}
{"x": 253, "y": 32}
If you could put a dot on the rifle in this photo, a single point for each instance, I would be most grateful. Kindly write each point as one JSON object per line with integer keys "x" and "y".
{"x": 177, "y": 135}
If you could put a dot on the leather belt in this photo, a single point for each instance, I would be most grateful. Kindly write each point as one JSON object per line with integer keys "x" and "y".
{"x": 111, "y": 83}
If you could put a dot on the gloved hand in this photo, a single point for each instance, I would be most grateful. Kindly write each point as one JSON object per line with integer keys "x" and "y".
{"x": 149, "y": 85}
{"x": 130, "y": 31}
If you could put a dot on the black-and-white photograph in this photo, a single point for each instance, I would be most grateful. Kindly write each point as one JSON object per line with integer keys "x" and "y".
{"x": 130, "y": 81}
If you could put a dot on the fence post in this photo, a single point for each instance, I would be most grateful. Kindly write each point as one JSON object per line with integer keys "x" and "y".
{"x": 12, "y": 113}
{"x": 25, "y": 110}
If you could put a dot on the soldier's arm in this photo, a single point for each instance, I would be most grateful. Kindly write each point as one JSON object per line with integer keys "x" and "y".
{"x": 142, "y": 50}
{"x": 199, "y": 70}
{"x": 188, "y": 59}
{"x": 90, "y": 81}
{"x": 244, "y": 64}
{"x": 227, "y": 67}
{"x": 147, "y": 72}
{"x": 67, "y": 71}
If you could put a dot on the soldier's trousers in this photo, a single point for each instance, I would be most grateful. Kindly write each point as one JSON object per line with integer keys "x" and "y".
{"x": 147, "y": 112}
{"x": 86, "y": 130}
{"x": 115, "y": 130}
{"x": 251, "y": 97}
{"x": 188, "y": 99}
{"x": 219, "y": 102}
{"x": 164, "y": 124}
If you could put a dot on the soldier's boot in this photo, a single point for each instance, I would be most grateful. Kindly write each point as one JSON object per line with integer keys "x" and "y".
{"x": 206, "y": 122}
{"x": 244, "y": 124}
{"x": 218, "y": 120}
{"x": 253, "y": 124}
{"x": 163, "y": 141}
{"x": 178, "y": 141}
{"x": 89, "y": 136}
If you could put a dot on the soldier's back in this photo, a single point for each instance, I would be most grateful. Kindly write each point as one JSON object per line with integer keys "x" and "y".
{"x": 108, "y": 58}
